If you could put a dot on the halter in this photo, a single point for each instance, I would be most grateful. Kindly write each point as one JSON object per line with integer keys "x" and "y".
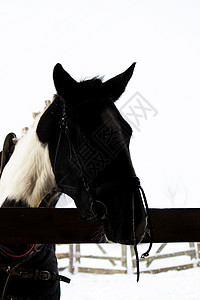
{"x": 97, "y": 207}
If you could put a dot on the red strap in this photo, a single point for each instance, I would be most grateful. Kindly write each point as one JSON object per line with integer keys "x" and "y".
{"x": 22, "y": 255}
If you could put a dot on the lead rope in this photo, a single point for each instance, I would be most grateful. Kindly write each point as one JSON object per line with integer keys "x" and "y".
{"x": 144, "y": 255}
{"x": 149, "y": 224}
{"x": 135, "y": 240}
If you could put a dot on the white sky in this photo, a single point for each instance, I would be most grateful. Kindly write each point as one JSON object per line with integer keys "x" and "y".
{"x": 104, "y": 37}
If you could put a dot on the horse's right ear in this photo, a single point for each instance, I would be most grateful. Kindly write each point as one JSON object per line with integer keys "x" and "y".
{"x": 62, "y": 80}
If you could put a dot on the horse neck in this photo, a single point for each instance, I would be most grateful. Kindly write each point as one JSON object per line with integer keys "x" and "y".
{"x": 28, "y": 176}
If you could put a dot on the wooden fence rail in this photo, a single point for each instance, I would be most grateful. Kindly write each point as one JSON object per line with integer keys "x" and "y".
{"x": 122, "y": 263}
{"x": 49, "y": 225}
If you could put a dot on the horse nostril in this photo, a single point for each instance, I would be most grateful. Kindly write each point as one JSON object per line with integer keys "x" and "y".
{"x": 99, "y": 210}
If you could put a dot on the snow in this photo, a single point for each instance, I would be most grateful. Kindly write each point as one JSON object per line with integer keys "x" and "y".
{"x": 182, "y": 285}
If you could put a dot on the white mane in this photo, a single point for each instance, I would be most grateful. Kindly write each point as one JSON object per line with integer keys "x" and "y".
{"x": 28, "y": 176}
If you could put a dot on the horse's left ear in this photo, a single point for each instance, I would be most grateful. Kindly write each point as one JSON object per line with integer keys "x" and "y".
{"x": 115, "y": 86}
{"x": 64, "y": 83}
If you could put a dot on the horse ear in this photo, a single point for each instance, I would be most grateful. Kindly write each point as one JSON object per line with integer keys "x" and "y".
{"x": 62, "y": 80}
{"x": 115, "y": 86}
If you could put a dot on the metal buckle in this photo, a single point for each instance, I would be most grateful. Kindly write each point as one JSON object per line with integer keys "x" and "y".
{"x": 44, "y": 275}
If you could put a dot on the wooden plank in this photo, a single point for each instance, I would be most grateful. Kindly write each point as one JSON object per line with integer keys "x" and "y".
{"x": 113, "y": 258}
{"x": 62, "y": 255}
{"x": 175, "y": 225}
{"x": 169, "y": 255}
{"x": 48, "y": 225}
{"x": 174, "y": 268}
{"x": 45, "y": 225}
{"x": 100, "y": 271}
{"x": 151, "y": 259}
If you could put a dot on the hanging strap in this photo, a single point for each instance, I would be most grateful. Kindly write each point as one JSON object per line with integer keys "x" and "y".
{"x": 41, "y": 275}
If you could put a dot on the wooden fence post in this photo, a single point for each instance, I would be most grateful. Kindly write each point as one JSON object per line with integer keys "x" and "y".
{"x": 71, "y": 259}
{"x": 124, "y": 256}
{"x": 78, "y": 253}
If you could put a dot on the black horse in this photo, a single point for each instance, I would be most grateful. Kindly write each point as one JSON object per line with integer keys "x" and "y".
{"x": 79, "y": 146}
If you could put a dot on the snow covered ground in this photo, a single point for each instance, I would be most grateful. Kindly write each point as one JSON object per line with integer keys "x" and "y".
{"x": 171, "y": 285}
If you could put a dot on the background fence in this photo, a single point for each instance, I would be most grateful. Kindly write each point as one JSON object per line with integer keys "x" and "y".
{"x": 120, "y": 259}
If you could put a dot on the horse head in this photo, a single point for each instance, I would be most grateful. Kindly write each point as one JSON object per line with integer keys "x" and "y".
{"x": 88, "y": 142}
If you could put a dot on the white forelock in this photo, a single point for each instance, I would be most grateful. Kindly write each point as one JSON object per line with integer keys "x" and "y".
{"x": 28, "y": 176}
